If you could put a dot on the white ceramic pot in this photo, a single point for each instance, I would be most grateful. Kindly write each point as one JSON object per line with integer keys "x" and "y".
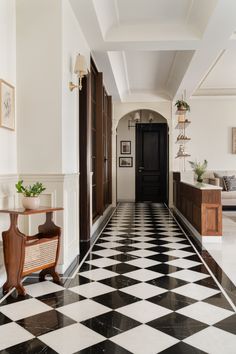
{"x": 31, "y": 202}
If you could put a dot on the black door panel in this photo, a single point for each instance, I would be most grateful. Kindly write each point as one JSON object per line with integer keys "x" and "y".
{"x": 151, "y": 162}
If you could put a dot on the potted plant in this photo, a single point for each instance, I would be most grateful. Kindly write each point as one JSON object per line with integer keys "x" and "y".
{"x": 182, "y": 106}
{"x": 199, "y": 169}
{"x": 30, "y": 193}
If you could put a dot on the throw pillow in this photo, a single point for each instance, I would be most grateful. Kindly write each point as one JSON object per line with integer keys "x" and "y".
{"x": 220, "y": 176}
{"x": 230, "y": 183}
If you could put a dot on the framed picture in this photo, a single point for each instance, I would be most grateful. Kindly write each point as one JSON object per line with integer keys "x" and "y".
{"x": 234, "y": 140}
{"x": 125, "y": 161}
{"x": 7, "y": 105}
{"x": 125, "y": 147}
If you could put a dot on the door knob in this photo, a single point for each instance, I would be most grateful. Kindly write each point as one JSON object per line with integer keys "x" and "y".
{"x": 140, "y": 169}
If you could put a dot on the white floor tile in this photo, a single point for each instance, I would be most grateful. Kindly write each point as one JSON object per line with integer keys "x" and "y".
{"x": 144, "y": 245}
{"x": 109, "y": 244}
{"x": 143, "y": 311}
{"x": 113, "y": 233}
{"x": 143, "y": 290}
{"x": 12, "y": 334}
{"x": 71, "y": 339}
{"x": 188, "y": 275}
{"x": 106, "y": 253}
{"x": 144, "y": 339}
{"x": 172, "y": 239}
{"x": 213, "y": 341}
{"x": 112, "y": 238}
{"x": 143, "y": 262}
{"x": 142, "y": 238}
{"x": 183, "y": 263}
{"x": 142, "y": 253}
{"x": 142, "y": 233}
{"x": 143, "y": 274}
{"x": 175, "y": 245}
{"x": 103, "y": 262}
{"x": 171, "y": 233}
{"x": 23, "y": 309}
{"x": 205, "y": 313}
{"x": 83, "y": 310}
{"x": 178, "y": 253}
{"x": 98, "y": 274}
{"x": 92, "y": 289}
{"x": 42, "y": 288}
{"x": 195, "y": 291}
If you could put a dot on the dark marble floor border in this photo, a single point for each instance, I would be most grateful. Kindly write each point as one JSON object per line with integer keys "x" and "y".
{"x": 218, "y": 272}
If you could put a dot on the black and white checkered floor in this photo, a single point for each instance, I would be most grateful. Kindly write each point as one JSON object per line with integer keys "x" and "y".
{"x": 142, "y": 289}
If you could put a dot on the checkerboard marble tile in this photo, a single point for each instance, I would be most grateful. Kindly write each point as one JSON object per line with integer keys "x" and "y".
{"x": 141, "y": 290}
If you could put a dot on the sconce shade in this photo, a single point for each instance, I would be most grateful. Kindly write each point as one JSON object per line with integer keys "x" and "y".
{"x": 80, "y": 68}
{"x": 136, "y": 117}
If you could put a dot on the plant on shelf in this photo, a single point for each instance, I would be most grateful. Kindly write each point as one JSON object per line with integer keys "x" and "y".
{"x": 199, "y": 169}
{"x": 182, "y": 106}
{"x": 30, "y": 193}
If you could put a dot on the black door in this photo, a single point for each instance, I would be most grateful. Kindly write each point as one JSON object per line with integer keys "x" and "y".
{"x": 151, "y": 162}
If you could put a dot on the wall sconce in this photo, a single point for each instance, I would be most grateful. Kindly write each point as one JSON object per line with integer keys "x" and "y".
{"x": 80, "y": 70}
{"x": 135, "y": 119}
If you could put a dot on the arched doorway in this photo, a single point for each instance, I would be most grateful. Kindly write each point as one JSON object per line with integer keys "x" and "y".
{"x": 142, "y": 157}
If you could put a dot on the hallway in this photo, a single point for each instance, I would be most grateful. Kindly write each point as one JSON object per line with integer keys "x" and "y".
{"x": 142, "y": 289}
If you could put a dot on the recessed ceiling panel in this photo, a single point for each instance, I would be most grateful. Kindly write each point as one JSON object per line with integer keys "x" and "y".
{"x": 223, "y": 73}
{"x": 153, "y": 11}
{"x": 148, "y": 70}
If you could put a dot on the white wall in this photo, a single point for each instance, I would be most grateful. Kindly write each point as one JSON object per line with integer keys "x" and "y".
{"x": 39, "y": 63}
{"x": 211, "y": 125}
{"x": 8, "y": 160}
{"x": 125, "y": 175}
{"x": 73, "y": 42}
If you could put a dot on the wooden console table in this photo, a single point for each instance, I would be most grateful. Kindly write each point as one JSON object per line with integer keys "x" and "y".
{"x": 27, "y": 254}
{"x": 200, "y": 204}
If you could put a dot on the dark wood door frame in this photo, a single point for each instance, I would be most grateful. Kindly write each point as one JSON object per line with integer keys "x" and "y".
{"x": 141, "y": 174}
{"x": 84, "y": 158}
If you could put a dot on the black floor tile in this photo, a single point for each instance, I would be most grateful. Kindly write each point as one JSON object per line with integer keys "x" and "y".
{"x": 164, "y": 268}
{"x": 45, "y": 322}
{"x": 162, "y": 258}
{"x": 122, "y": 268}
{"x": 78, "y": 280}
{"x": 209, "y": 282}
{"x": 4, "y": 319}
{"x": 33, "y": 346}
{"x": 167, "y": 282}
{"x": 110, "y": 324}
{"x": 106, "y": 347}
{"x": 228, "y": 324}
{"x": 182, "y": 348}
{"x": 14, "y": 297}
{"x": 177, "y": 325}
{"x": 125, "y": 249}
{"x": 119, "y": 282}
{"x": 123, "y": 257}
{"x": 116, "y": 299}
{"x": 172, "y": 300}
{"x": 60, "y": 298}
{"x": 219, "y": 300}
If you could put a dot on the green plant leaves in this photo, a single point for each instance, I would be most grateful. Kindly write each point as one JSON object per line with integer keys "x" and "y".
{"x": 30, "y": 191}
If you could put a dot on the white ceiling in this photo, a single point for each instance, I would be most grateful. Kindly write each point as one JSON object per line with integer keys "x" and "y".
{"x": 153, "y": 50}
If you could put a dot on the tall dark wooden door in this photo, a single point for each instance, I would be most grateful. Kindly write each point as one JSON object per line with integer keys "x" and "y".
{"x": 152, "y": 162}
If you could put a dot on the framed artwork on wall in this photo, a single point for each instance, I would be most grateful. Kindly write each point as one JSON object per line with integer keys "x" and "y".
{"x": 233, "y": 140}
{"x": 7, "y": 105}
{"x": 125, "y": 147}
{"x": 125, "y": 161}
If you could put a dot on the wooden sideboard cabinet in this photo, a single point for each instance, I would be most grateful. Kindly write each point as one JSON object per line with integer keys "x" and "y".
{"x": 27, "y": 254}
{"x": 200, "y": 204}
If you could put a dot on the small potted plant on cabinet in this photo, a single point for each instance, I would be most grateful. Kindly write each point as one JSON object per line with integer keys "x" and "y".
{"x": 30, "y": 193}
{"x": 199, "y": 169}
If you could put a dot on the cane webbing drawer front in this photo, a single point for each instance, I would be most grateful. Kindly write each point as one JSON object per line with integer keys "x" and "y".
{"x": 40, "y": 253}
